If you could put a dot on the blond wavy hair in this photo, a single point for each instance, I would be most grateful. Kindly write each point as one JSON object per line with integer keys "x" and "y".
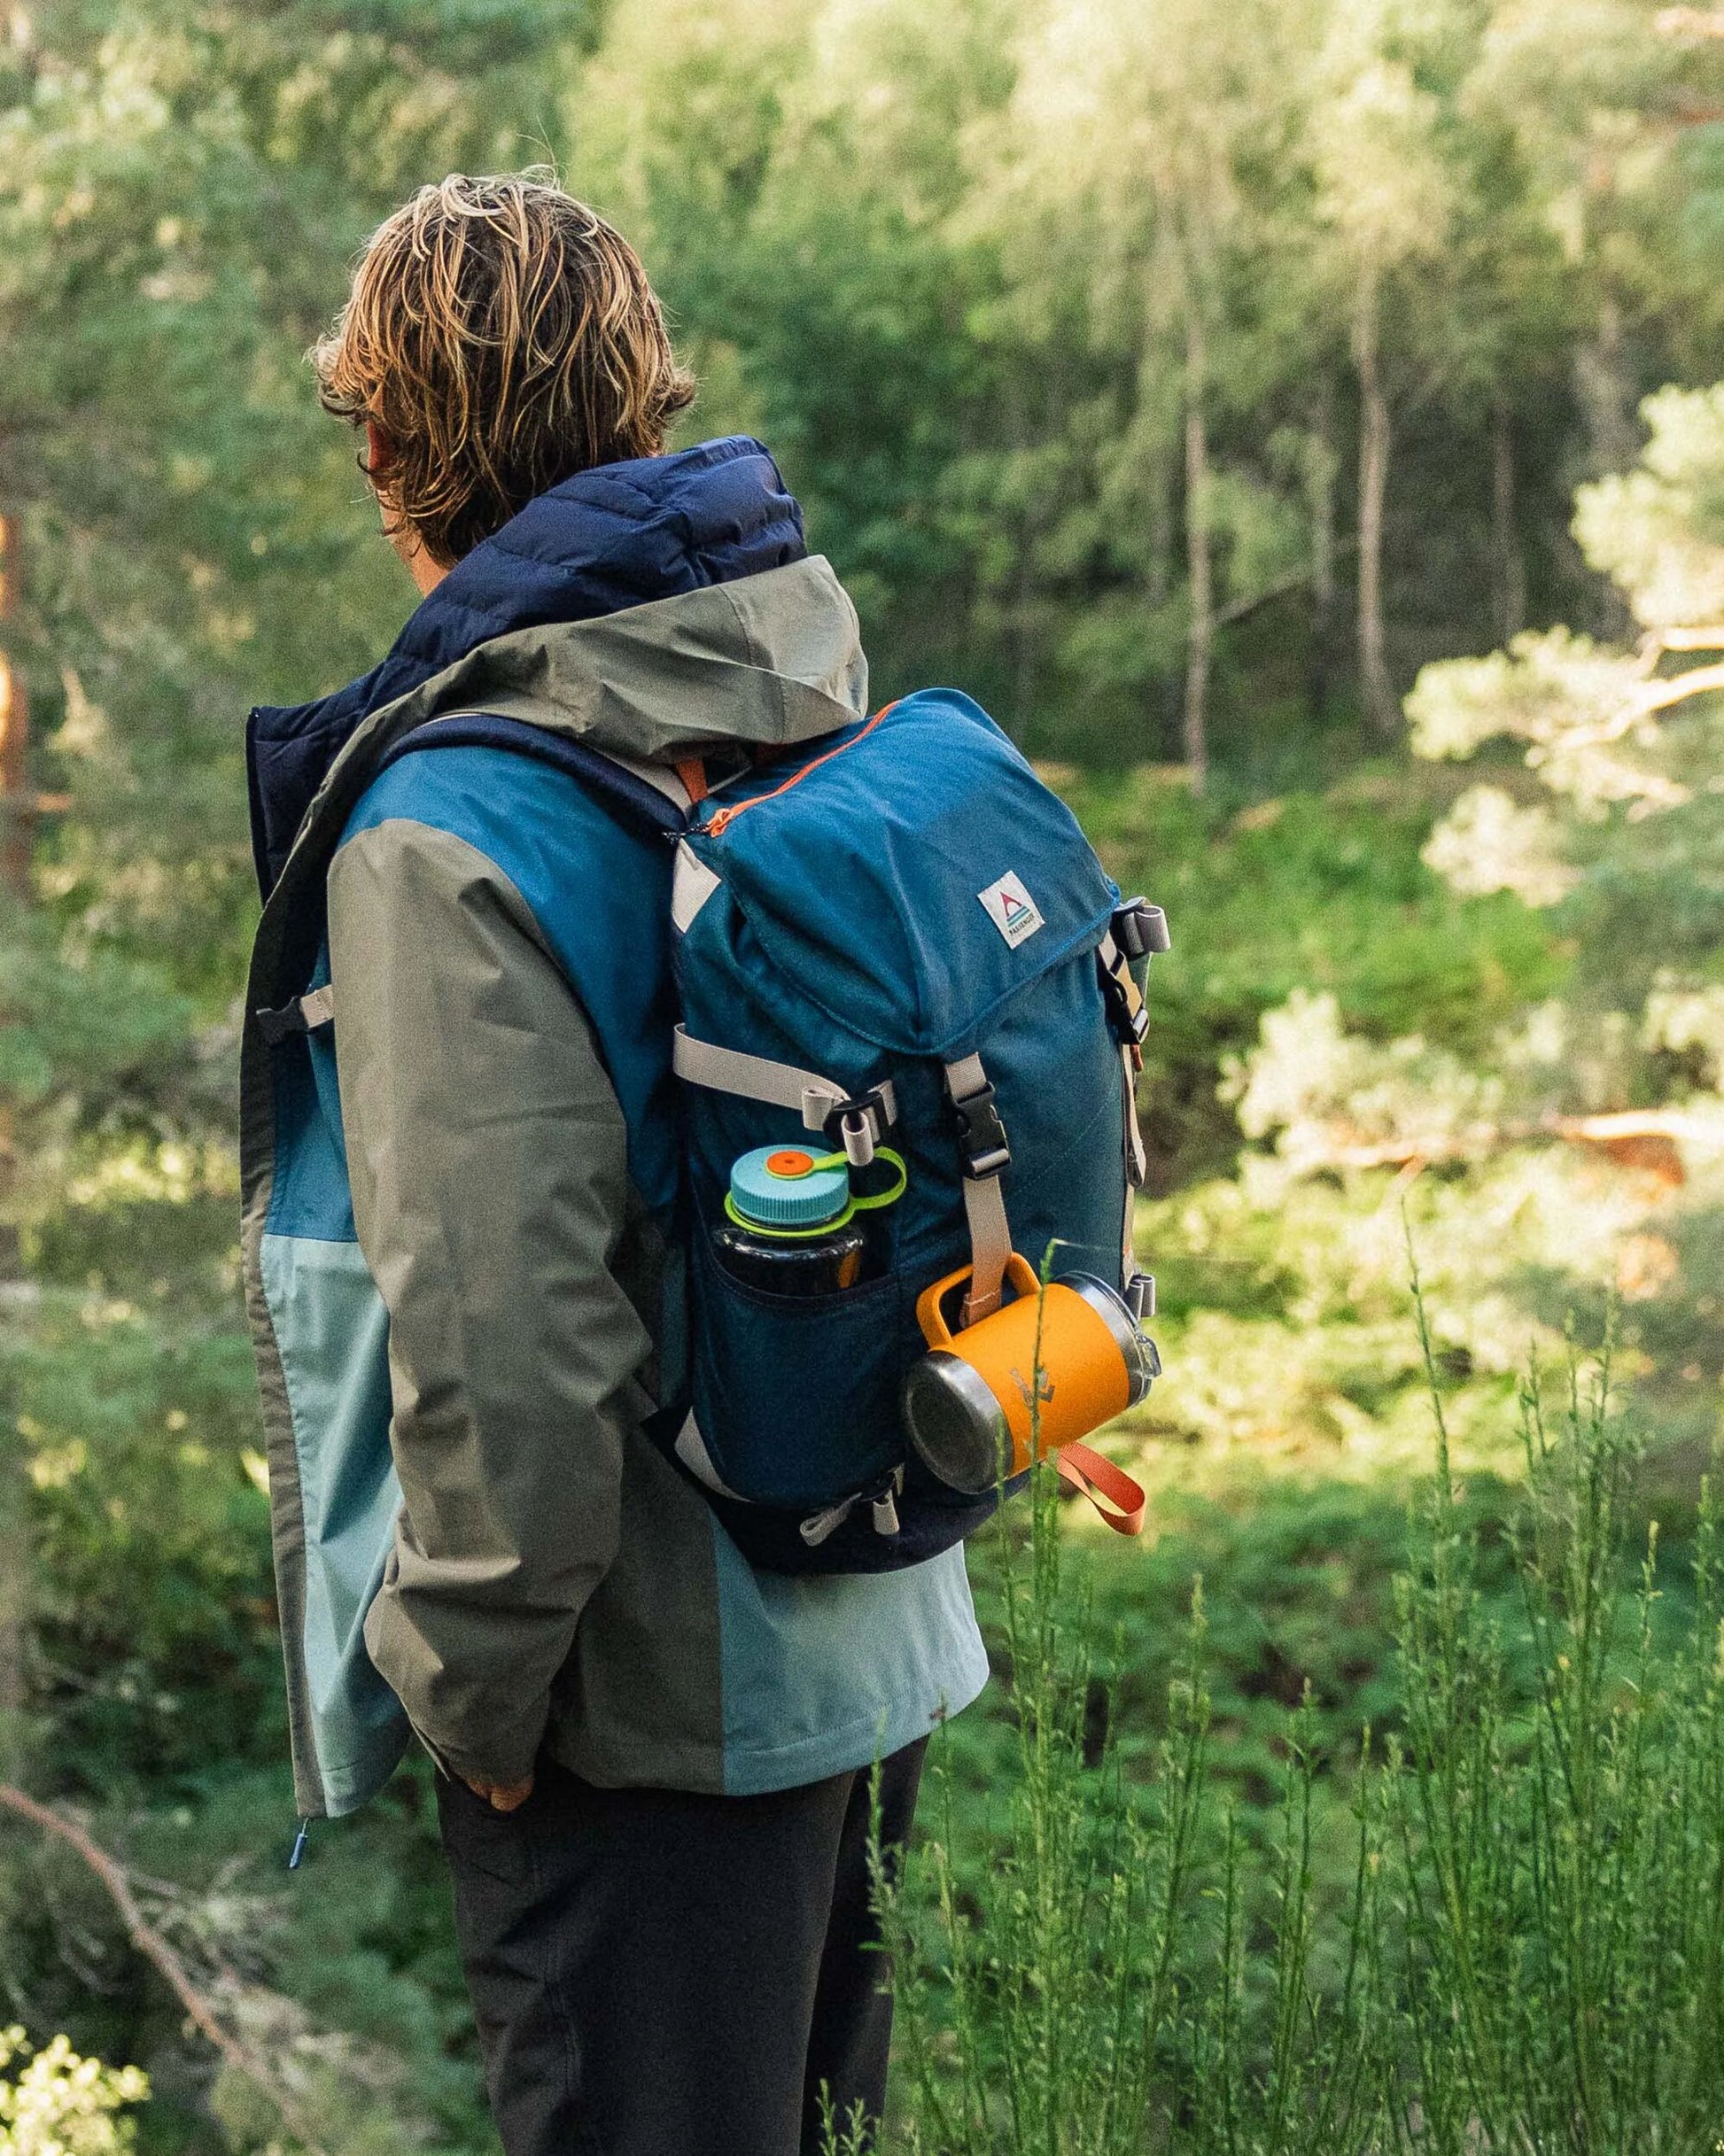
{"x": 502, "y": 337}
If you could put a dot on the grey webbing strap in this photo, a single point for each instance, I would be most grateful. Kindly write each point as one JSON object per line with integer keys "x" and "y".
{"x": 1115, "y": 966}
{"x": 780, "y": 1085}
{"x": 990, "y": 1245}
{"x": 690, "y": 1448}
{"x": 984, "y": 1206}
{"x": 692, "y": 884}
{"x": 1136, "y": 1159}
{"x": 1137, "y": 1168}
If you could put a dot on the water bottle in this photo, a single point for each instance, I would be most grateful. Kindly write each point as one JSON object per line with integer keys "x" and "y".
{"x": 790, "y": 1225}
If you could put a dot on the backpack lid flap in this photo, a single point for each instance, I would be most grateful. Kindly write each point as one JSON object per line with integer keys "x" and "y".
{"x": 914, "y": 877}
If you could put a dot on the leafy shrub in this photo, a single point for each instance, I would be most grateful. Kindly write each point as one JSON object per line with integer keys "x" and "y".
{"x": 59, "y": 2105}
{"x": 1522, "y": 1952}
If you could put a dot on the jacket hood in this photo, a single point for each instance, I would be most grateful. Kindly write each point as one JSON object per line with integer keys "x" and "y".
{"x": 613, "y": 607}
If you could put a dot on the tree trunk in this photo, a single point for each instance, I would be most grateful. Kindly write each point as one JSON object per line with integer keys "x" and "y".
{"x": 1199, "y": 569}
{"x": 15, "y": 806}
{"x": 1508, "y": 564}
{"x": 1165, "y": 691}
{"x": 1604, "y": 387}
{"x": 1320, "y": 469}
{"x": 15, "y": 1568}
{"x": 1023, "y": 690}
{"x": 1376, "y": 690}
{"x": 15, "y": 853}
{"x": 1023, "y": 579}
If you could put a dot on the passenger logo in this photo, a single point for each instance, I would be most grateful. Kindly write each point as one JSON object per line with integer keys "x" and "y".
{"x": 1010, "y": 909}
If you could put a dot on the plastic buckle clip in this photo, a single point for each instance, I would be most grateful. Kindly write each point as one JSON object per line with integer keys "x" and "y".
{"x": 982, "y": 1135}
{"x": 1130, "y": 1025}
{"x": 279, "y": 1024}
{"x": 858, "y": 1126}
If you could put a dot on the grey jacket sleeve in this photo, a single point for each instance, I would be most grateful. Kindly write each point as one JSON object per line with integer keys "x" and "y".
{"x": 487, "y": 1153}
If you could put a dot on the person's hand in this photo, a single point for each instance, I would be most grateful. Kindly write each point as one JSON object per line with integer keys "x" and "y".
{"x": 503, "y": 1795}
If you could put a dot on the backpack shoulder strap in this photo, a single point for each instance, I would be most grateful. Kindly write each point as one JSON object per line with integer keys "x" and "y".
{"x": 643, "y": 796}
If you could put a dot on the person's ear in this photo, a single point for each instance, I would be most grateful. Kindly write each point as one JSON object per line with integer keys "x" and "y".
{"x": 379, "y": 455}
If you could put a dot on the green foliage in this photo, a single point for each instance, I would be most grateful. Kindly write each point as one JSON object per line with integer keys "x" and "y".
{"x": 1515, "y": 1944}
{"x": 59, "y": 2105}
{"x": 973, "y": 275}
{"x": 1303, "y": 892}
{"x": 1057, "y": 1988}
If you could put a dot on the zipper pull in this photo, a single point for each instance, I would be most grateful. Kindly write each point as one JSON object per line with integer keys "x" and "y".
{"x": 296, "y": 1855}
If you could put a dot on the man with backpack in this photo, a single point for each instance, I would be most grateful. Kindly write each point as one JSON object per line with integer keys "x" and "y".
{"x": 461, "y": 1145}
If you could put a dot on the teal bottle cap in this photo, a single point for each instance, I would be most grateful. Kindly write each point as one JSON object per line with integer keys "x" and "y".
{"x": 783, "y": 1186}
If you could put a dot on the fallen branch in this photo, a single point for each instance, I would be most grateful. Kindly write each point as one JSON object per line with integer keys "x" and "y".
{"x": 1677, "y": 688}
{"x": 1689, "y": 22}
{"x": 1681, "y": 1125}
{"x": 161, "y": 1956}
{"x": 1673, "y": 1125}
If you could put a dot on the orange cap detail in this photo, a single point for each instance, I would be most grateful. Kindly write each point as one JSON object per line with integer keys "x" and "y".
{"x": 789, "y": 1164}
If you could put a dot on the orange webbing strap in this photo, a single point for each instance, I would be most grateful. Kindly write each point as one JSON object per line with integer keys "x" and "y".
{"x": 692, "y": 771}
{"x": 1085, "y": 1470}
{"x": 727, "y": 816}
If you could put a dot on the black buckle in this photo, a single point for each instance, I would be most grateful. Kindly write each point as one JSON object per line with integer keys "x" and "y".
{"x": 864, "y": 1111}
{"x": 982, "y": 1135}
{"x": 1141, "y": 929}
{"x": 281, "y": 1025}
{"x": 1130, "y": 1025}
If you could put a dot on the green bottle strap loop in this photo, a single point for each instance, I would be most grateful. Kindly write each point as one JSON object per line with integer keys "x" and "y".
{"x": 870, "y": 1204}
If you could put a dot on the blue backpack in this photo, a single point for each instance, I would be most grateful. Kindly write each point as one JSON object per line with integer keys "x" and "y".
{"x": 896, "y": 938}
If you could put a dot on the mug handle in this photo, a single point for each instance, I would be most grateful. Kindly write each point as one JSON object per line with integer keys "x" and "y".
{"x": 930, "y": 1312}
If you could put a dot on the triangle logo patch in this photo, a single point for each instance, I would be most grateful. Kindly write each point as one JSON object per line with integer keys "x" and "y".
{"x": 1010, "y": 909}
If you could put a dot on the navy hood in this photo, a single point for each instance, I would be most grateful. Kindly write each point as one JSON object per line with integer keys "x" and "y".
{"x": 618, "y": 536}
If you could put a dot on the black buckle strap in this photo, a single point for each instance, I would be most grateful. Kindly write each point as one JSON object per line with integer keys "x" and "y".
{"x": 982, "y": 1135}
{"x": 1127, "y": 1012}
{"x": 306, "y": 1013}
{"x": 281, "y": 1025}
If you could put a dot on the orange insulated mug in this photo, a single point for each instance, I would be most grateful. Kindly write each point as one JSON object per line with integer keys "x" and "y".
{"x": 969, "y": 1403}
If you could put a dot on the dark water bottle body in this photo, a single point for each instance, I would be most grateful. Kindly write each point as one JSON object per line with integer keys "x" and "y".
{"x": 801, "y": 1266}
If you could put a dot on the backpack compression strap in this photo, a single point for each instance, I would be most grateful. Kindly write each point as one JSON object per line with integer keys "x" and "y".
{"x": 1130, "y": 1021}
{"x": 857, "y": 1122}
{"x": 985, "y": 1156}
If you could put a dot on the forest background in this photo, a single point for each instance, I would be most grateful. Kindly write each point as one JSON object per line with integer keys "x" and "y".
{"x": 1198, "y": 387}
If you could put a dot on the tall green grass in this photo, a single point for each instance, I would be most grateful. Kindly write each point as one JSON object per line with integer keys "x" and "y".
{"x": 1499, "y": 1927}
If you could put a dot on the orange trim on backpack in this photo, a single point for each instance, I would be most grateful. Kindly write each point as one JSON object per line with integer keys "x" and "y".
{"x": 692, "y": 771}
{"x": 728, "y": 816}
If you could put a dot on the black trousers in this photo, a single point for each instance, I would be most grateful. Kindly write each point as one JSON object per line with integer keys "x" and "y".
{"x": 661, "y": 1974}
